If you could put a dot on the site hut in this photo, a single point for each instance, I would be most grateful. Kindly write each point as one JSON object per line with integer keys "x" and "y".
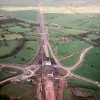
{"x": 50, "y": 75}
{"x": 46, "y": 63}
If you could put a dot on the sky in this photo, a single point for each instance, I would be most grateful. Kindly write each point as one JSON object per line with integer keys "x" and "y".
{"x": 35, "y": 2}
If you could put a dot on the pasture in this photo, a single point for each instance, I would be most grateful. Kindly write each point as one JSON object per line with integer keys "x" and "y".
{"x": 28, "y": 52}
{"x": 7, "y": 47}
{"x": 4, "y": 75}
{"x": 11, "y": 37}
{"x": 80, "y": 83}
{"x": 68, "y": 94}
{"x": 70, "y": 61}
{"x": 89, "y": 91}
{"x": 21, "y": 90}
{"x": 18, "y": 42}
{"x": 64, "y": 32}
{"x": 75, "y": 21}
{"x": 18, "y": 29}
{"x": 93, "y": 36}
{"x": 66, "y": 49}
{"x": 8, "y": 25}
{"x": 25, "y": 15}
{"x": 91, "y": 66}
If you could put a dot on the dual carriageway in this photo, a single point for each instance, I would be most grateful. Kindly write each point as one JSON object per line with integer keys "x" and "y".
{"x": 43, "y": 54}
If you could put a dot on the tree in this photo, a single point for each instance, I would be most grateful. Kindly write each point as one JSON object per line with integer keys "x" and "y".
{"x": 15, "y": 56}
{"x": 5, "y": 40}
{"x": 92, "y": 65}
{"x": 4, "y": 97}
{"x": 6, "y": 44}
{"x": 2, "y": 35}
{"x": 22, "y": 59}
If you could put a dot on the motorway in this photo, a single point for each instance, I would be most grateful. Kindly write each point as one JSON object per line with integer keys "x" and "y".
{"x": 71, "y": 69}
{"x": 49, "y": 88}
{"x": 29, "y": 71}
{"x": 43, "y": 33}
{"x": 48, "y": 85}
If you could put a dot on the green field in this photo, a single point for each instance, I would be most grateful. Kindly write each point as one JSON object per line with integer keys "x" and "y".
{"x": 93, "y": 36}
{"x": 22, "y": 90}
{"x": 8, "y": 25}
{"x": 28, "y": 34}
{"x": 70, "y": 61}
{"x": 4, "y": 75}
{"x": 8, "y": 48}
{"x": 19, "y": 29}
{"x": 68, "y": 95}
{"x": 64, "y": 32}
{"x": 24, "y": 55}
{"x": 86, "y": 88}
{"x": 26, "y": 15}
{"x": 91, "y": 67}
{"x": 1, "y": 30}
{"x": 69, "y": 48}
{"x": 11, "y": 36}
{"x": 75, "y": 21}
{"x": 24, "y": 24}
{"x": 80, "y": 83}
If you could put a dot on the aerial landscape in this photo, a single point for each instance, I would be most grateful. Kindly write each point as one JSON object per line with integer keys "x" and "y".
{"x": 49, "y": 49}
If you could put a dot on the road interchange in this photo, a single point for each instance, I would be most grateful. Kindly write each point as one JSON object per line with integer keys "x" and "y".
{"x": 45, "y": 47}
